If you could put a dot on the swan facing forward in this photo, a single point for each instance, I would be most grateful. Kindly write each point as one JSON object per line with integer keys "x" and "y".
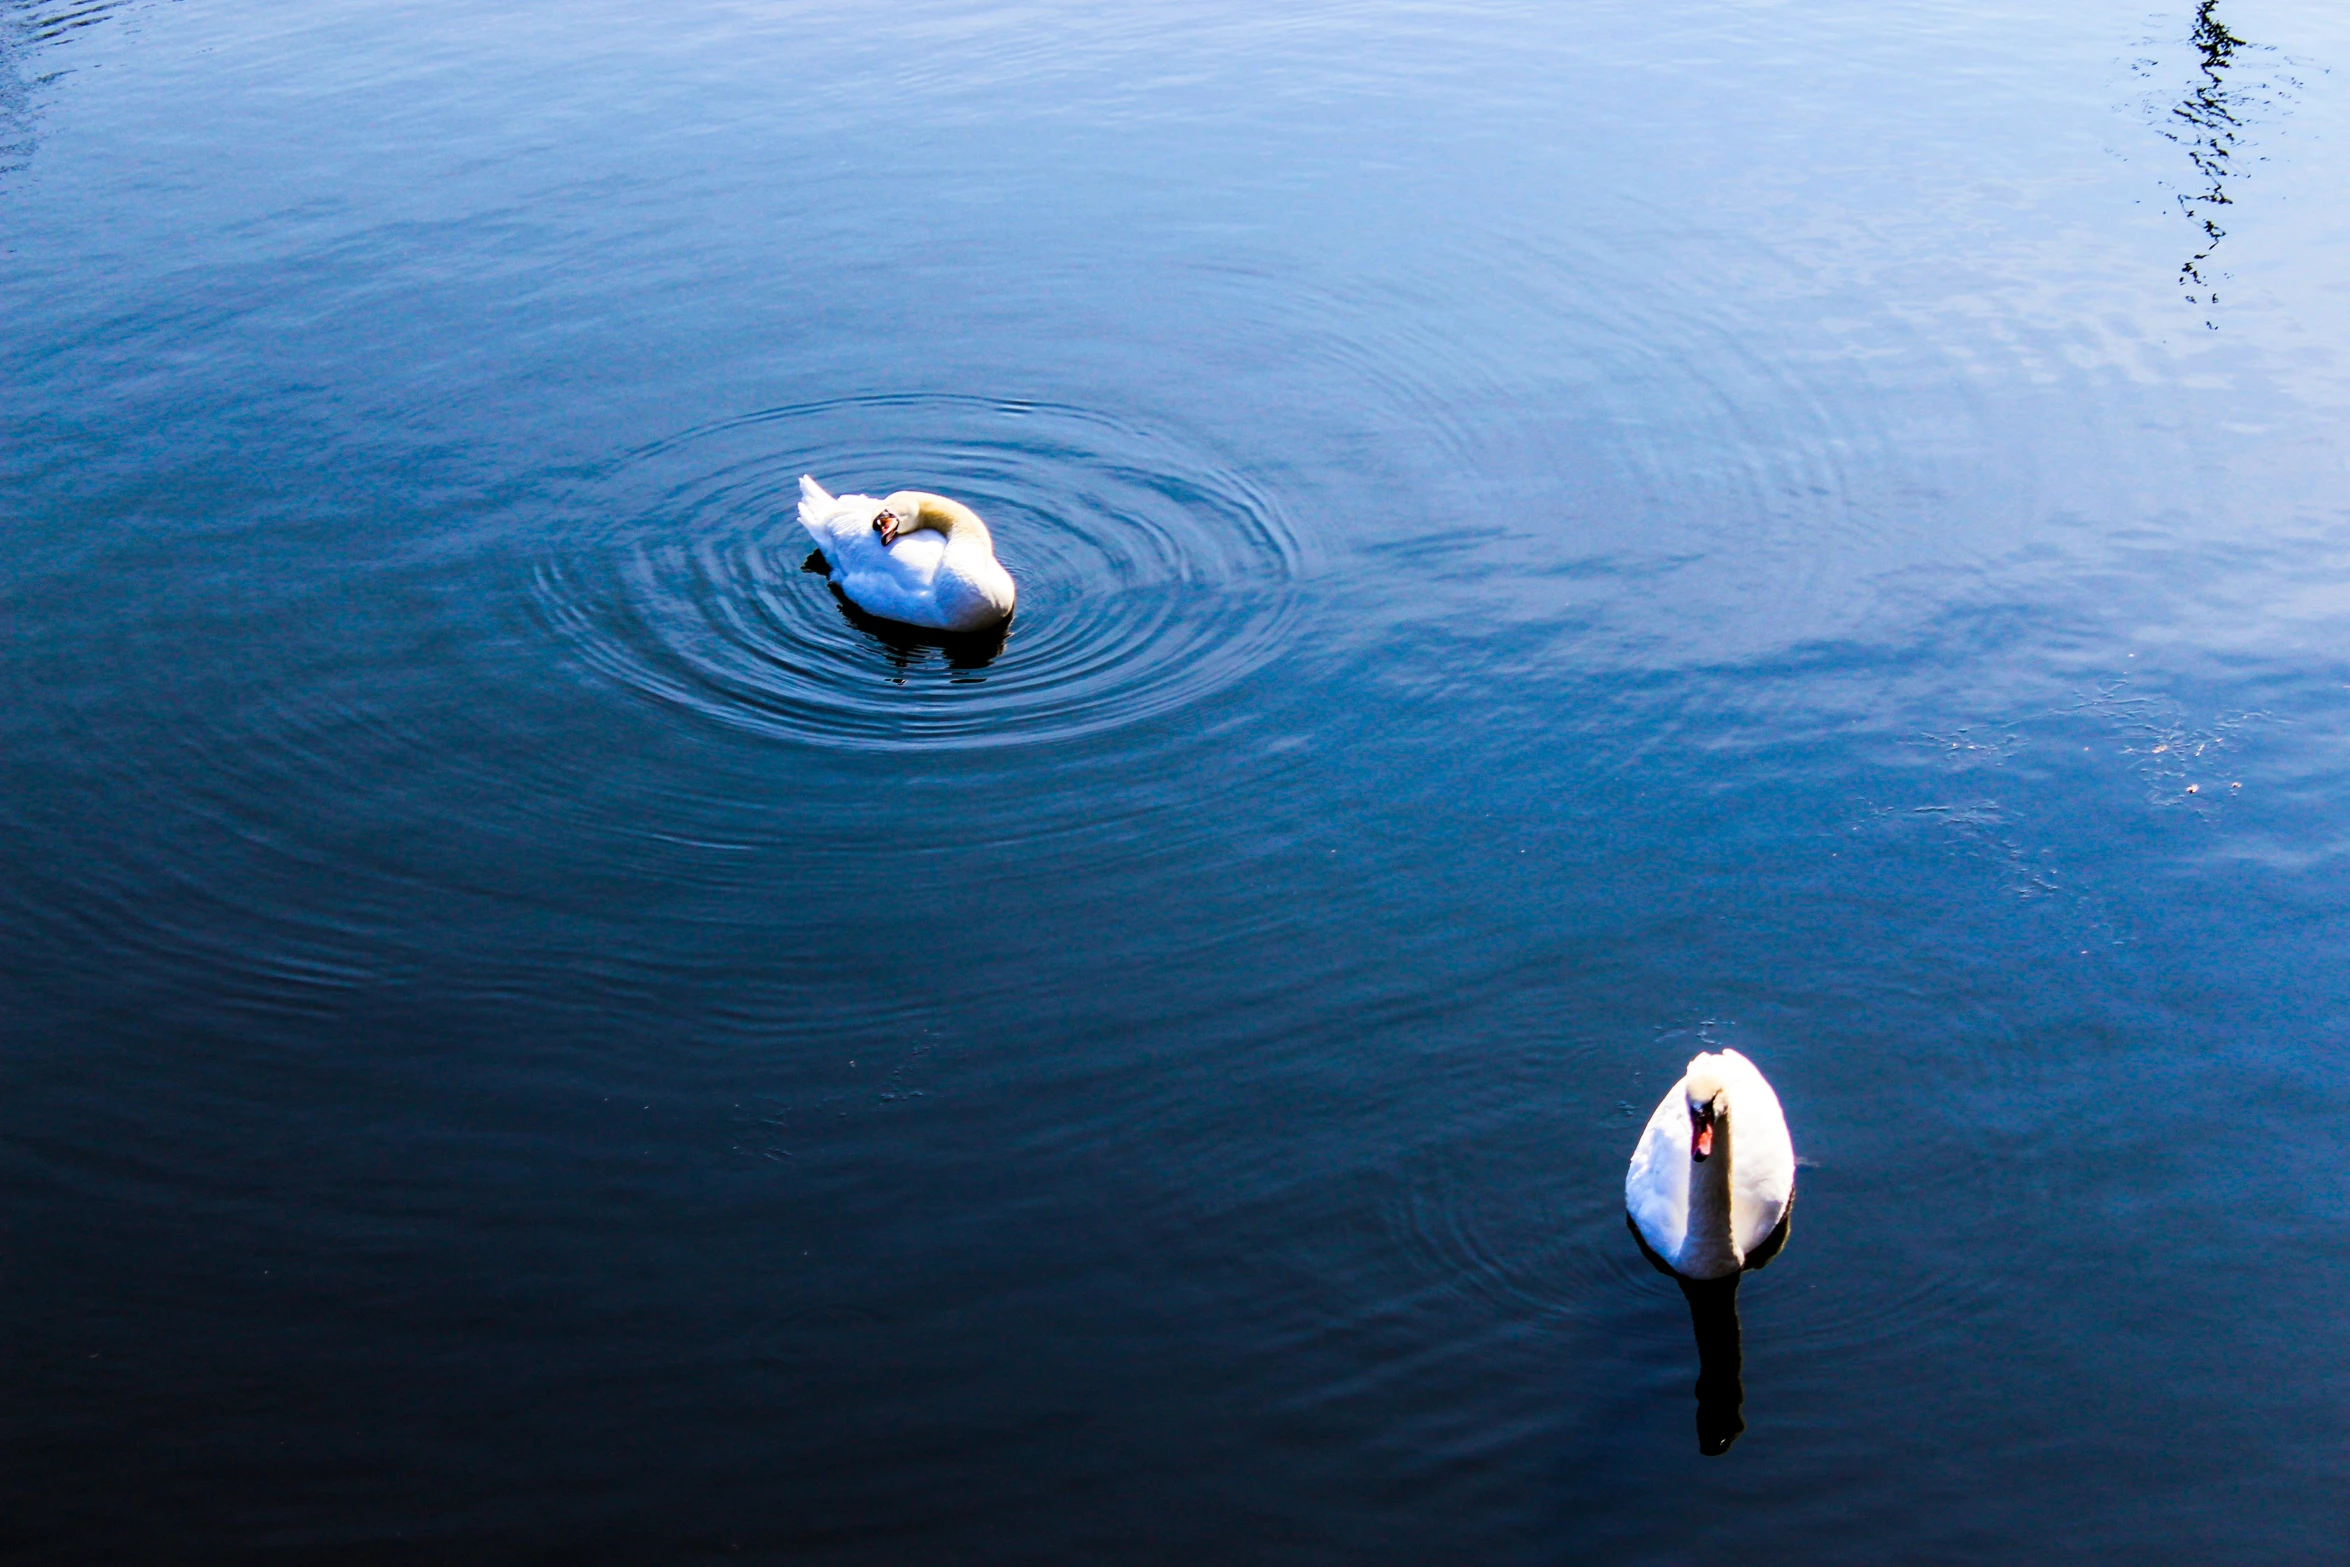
{"x": 919, "y": 559}
{"x": 1714, "y": 1175}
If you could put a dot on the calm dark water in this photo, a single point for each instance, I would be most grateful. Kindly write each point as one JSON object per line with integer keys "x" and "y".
{"x": 1551, "y": 536}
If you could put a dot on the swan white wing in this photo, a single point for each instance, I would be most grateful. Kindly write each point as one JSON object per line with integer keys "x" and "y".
{"x": 923, "y": 579}
{"x": 833, "y": 521}
{"x": 1762, "y": 1177}
{"x": 897, "y": 581}
{"x": 1656, "y": 1187}
{"x": 842, "y": 527}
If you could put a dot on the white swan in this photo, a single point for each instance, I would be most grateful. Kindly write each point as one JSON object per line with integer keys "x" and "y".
{"x": 919, "y": 559}
{"x": 1714, "y": 1174}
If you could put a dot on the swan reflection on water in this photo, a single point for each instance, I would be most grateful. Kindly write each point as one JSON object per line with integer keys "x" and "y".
{"x": 1713, "y": 1318}
{"x": 964, "y": 651}
{"x": 1708, "y": 1196}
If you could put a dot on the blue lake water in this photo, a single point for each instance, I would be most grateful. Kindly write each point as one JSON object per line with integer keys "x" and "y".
{"x": 1551, "y": 538}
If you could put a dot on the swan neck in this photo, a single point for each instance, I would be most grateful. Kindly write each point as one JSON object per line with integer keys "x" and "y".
{"x": 958, "y": 522}
{"x": 1711, "y": 1249}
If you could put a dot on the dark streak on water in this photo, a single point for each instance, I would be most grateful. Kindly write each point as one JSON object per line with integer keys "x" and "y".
{"x": 2213, "y": 122}
{"x": 1551, "y": 540}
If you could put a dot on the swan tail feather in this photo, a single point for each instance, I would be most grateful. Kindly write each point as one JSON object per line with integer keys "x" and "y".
{"x": 816, "y": 509}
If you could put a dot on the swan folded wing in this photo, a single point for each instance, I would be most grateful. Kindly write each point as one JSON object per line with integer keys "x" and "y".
{"x": 1656, "y": 1187}
{"x": 942, "y": 574}
{"x": 825, "y": 516}
{"x": 842, "y": 527}
{"x": 899, "y": 581}
{"x": 1763, "y": 1178}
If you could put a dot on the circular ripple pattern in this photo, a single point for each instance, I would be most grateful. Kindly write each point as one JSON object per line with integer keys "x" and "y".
{"x": 1475, "y": 1217}
{"x": 1148, "y": 575}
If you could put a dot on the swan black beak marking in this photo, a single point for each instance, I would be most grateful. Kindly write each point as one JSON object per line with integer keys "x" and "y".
{"x": 1701, "y": 1134}
{"x": 886, "y": 524}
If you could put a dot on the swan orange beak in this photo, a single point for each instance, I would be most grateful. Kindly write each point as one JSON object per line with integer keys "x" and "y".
{"x": 886, "y": 524}
{"x": 1701, "y": 1134}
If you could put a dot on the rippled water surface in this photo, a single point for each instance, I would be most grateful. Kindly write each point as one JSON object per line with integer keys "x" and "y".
{"x": 1550, "y": 538}
{"x": 1149, "y": 576}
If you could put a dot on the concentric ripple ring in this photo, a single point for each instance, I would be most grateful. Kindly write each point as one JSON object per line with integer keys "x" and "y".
{"x": 1149, "y": 575}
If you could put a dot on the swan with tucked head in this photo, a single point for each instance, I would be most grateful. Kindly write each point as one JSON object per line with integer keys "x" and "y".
{"x": 916, "y": 558}
{"x": 1714, "y": 1174}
